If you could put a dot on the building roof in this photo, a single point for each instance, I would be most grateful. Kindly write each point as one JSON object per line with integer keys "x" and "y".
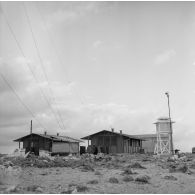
{"x": 144, "y": 136}
{"x": 116, "y": 133}
{"x": 51, "y": 137}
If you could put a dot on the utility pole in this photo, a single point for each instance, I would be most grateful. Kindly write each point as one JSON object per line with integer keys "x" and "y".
{"x": 171, "y": 131}
{"x": 31, "y": 136}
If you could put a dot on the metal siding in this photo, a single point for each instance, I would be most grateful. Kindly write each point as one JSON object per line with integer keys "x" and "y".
{"x": 62, "y": 147}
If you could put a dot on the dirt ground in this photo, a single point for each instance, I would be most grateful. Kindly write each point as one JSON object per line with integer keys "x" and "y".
{"x": 160, "y": 179}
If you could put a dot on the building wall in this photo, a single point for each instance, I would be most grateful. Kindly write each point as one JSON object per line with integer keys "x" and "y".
{"x": 63, "y": 147}
{"x": 37, "y": 142}
{"x": 150, "y": 143}
{"x": 120, "y": 144}
{"x": 132, "y": 146}
{"x": 112, "y": 143}
{"x": 106, "y": 142}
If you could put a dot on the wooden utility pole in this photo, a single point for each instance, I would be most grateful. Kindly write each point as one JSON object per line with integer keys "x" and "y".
{"x": 31, "y": 136}
{"x": 31, "y": 127}
{"x": 171, "y": 130}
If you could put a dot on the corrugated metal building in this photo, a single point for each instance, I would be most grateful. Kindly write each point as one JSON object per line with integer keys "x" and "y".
{"x": 55, "y": 144}
{"x": 113, "y": 142}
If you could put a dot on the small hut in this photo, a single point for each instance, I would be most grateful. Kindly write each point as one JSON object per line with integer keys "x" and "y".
{"x": 55, "y": 144}
{"x": 113, "y": 142}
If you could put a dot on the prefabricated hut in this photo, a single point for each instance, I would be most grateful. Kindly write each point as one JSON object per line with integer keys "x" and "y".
{"x": 55, "y": 144}
{"x": 114, "y": 142}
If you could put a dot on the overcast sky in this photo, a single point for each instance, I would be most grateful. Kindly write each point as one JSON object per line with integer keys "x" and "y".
{"x": 108, "y": 65}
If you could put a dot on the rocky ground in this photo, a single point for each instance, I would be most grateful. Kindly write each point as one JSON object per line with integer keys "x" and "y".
{"x": 102, "y": 174}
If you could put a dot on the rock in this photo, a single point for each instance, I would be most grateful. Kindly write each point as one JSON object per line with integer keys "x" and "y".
{"x": 69, "y": 190}
{"x": 74, "y": 191}
{"x": 39, "y": 189}
{"x": 113, "y": 180}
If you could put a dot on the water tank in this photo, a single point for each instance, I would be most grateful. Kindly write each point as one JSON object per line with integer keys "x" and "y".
{"x": 163, "y": 125}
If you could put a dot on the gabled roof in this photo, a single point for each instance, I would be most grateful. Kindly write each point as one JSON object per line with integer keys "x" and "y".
{"x": 116, "y": 133}
{"x": 51, "y": 137}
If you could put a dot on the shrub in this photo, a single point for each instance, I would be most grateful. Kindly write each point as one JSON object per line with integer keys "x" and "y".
{"x": 113, "y": 180}
{"x": 81, "y": 188}
{"x": 95, "y": 181}
{"x": 127, "y": 178}
{"x": 170, "y": 177}
{"x": 127, "y": 171}
{"x": 97, "y": 173}
{"x": 137, "y": 166}
{"x": 142, "y": 179}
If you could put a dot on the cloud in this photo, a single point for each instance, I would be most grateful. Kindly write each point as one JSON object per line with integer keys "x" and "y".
{"x": 97, "y": 44}
{"x": 22, "y": 60}
{"x": 74, "y": 11}
{"x": 16, "y": 73}
{"x": 164, "y": 57}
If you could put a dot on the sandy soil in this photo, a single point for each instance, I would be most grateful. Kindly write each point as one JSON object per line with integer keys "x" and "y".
{"x": 58, "y": 180}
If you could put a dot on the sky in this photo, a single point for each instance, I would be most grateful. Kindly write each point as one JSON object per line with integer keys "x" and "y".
{"x": 76, "y": 68}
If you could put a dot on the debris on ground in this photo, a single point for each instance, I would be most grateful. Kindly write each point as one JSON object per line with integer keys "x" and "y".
{"x": 170, "y": 177}
{"x": 82, "y": 188}
{"x": 143, "y": 179}
{"x": 103, "y": 167}
{"x": 94, "y": 181}
{"x": 68, "y": 191}
{"x": 127, "y": 171}
{"x": 136, "y": 165}
{"x": 11, "y": 189}
{"x": 113, "y": 180}
{"x": 128, "y": 178}
{"x": 44, "y": 153}
{"x": 39, "y": 190}
{"x": 97, "y": 173}
{"x": 44, "y": 173}
{"x": 87, "y": 167}
{"x": 182, "y": 168}
{"x": 33, "y": 188}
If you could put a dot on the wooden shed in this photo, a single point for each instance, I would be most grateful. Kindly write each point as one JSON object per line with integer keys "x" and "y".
{"x": 61, "y": 145}
{"x": 113, "y": 142}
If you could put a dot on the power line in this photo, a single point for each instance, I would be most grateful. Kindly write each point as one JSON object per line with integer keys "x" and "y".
{"x": 21, "y": 101}
{"x": 56, "y": 53}
{"x": 41, "y": 63}
{"x": 21, "y": 50}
